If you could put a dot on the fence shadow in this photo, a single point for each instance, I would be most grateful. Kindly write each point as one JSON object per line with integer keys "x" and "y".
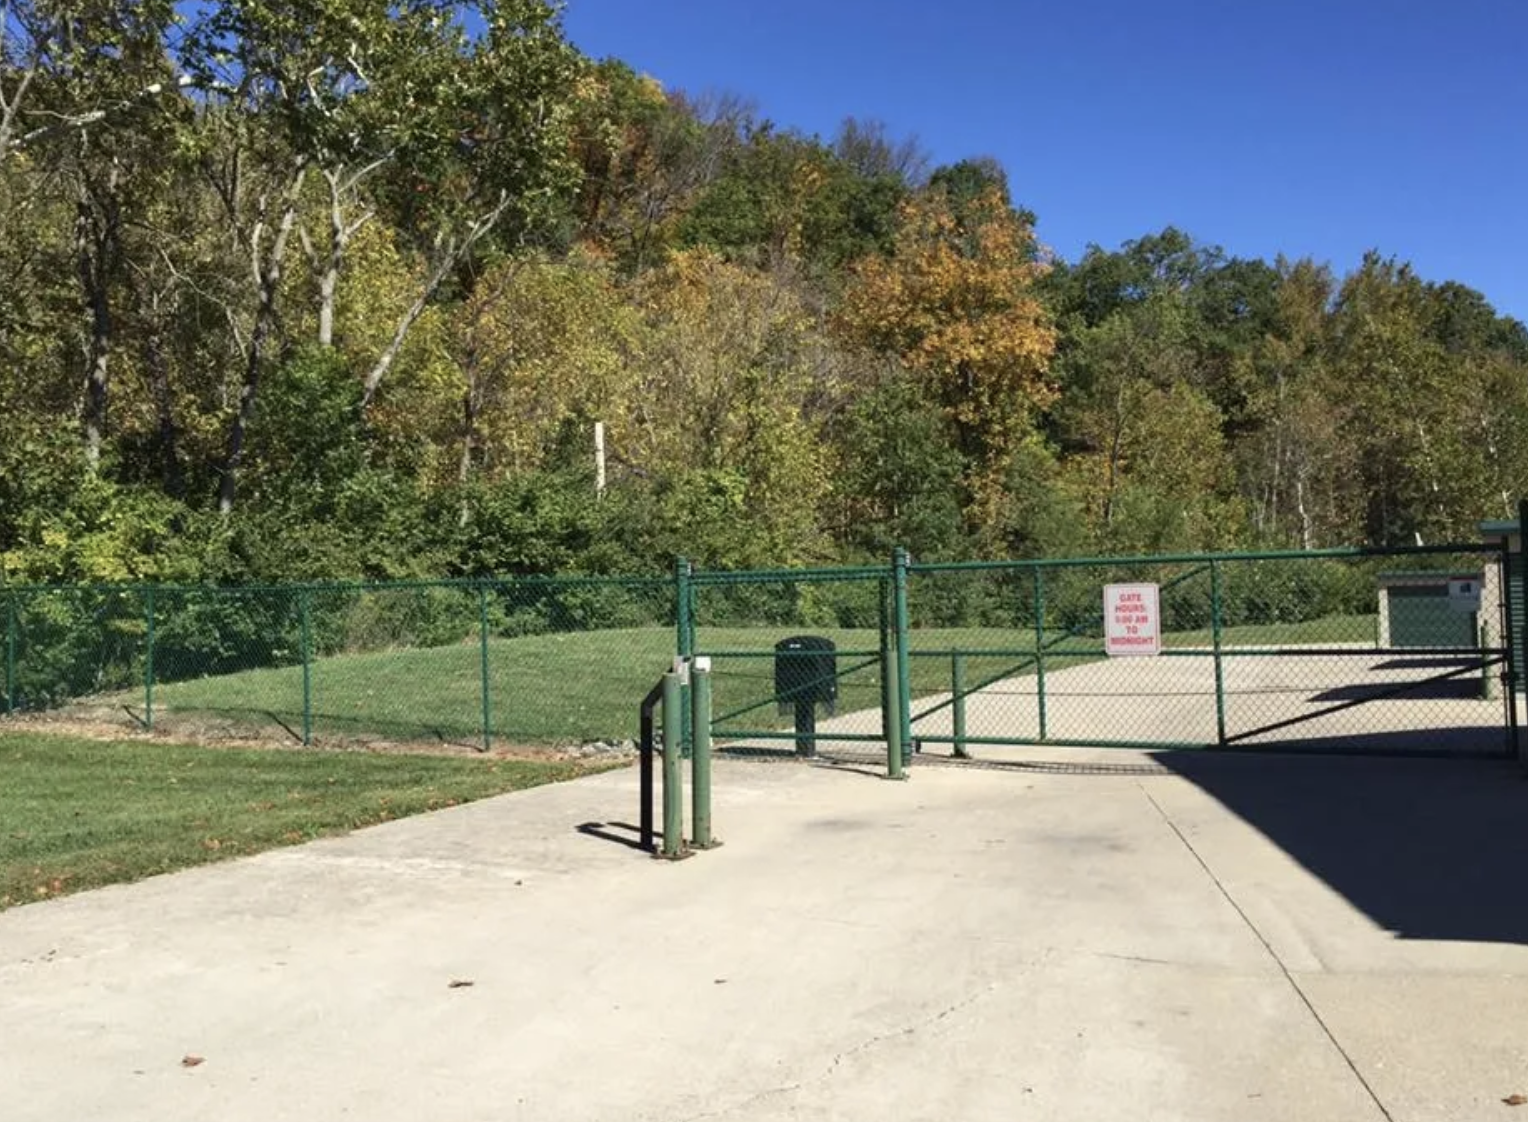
{"x": 1446, "y": 689}
{"x": 1426, "y": 848}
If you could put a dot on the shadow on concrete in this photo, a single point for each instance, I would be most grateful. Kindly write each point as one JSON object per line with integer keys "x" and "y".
{"x": 1428, "y": 849}
{"x": 621, "y": 833}
{"x": 1433, "y": 689}
{"x": 1488, "y": 741}
{"x": 1431, "y": 662}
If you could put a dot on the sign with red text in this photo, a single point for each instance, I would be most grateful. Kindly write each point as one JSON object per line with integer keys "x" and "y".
{"x": 1132, "y": 620}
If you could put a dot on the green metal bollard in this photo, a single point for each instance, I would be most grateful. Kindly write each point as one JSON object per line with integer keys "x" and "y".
{"x": 700, "y": 760}
{"x": 958, "y": 696}
{"x": 673, "y": 772}
{"x": 148, "y": 659}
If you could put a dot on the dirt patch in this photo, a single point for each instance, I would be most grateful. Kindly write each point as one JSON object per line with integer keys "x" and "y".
{"x": 109, "y": 724}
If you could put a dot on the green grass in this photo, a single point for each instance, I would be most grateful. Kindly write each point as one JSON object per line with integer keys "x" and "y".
{"x": 77, "y": 814}
{"x": 544, "y": 689}
{"x": 578, "y": 686}
{"x": 1328, "y": 630}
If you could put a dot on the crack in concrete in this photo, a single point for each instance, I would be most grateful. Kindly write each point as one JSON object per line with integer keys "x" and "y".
{"x": 848, "y": 1053}
{"x": 1283, "y": 967}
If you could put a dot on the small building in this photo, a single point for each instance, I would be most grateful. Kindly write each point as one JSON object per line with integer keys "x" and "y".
{"x": 1430, "y": 609}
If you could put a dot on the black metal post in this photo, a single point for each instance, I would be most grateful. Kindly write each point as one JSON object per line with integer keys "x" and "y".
{"x": 806, "y": 727}
{"x": 645, "y": 767}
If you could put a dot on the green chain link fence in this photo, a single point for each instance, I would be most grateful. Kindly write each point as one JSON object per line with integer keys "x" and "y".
{"x": 527, "y": 661}
{"x": 1357, "y": 648}
{"x": 1364, "y": 649}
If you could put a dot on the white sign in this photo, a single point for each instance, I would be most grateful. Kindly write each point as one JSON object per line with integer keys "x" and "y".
{"x": 1464, "y": 595}
{"x": 1132, "y": 620}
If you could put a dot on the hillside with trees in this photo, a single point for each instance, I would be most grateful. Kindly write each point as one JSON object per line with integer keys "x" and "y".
{"x": 300, "y": 290}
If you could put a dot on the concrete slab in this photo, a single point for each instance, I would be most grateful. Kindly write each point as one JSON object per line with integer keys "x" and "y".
{"x": 1083, "y": 937}
{"x": 1291, "y": 699}
{"x": 1351, "y": 698}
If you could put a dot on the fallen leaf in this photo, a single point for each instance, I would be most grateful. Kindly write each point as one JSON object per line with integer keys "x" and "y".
{"x": 1515, "y": 1100}
{"x": 188, "y": 1060}
{"x": 458, "y": 983}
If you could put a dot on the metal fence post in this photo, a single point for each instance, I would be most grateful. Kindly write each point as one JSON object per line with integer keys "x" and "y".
{"x": 700, "y": 702}
{"x": 483, "y": 666}
{"x": 1040, "y": 649}
{"x": 958, "y": 701}
{"x": 673, "y": 772}
{"x": 1215, "y": 641}
{"x": 307, "y": 665}
{"x": 1508, "y": 642}
{"x": 891, "y": 725}
{"x": 684, "y": 628}
{"x": 899, "y": 564}
{"x": 148, "y": 658}
{"x": 10, "y": 651}
{"x": 895, "y": 760}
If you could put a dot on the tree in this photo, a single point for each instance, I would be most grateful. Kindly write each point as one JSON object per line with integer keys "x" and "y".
{"x": 897, "y": 481}
{"x": 867, "y": 150}
{"x": 1146, "y": 450}
{"x": 457, "y": 134}
{"x": 94, "y": 77}
{"x": 646, "y": 156}
{"x": 955, "y": 304}
{"x": 733, "y": 386}
{"x": 541, "y": 347}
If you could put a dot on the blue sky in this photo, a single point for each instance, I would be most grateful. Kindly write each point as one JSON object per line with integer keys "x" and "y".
{"x": 1316, "y": 129}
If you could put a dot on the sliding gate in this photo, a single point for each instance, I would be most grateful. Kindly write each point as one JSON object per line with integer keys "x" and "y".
{"x": 1403, "y": 650}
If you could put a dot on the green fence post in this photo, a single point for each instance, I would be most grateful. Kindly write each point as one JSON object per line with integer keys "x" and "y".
{"x": 483, "y": 666}
{"x": 303, "y": 609}
{"x": 1487, "y": 680}
{"x": 700, "y": 703}
{"x": 958, "y": 700}
{"x": 1512, "y": 571}
{"x": 148, "y": 659}
{"x": 684, "y": 627}
{"x": 673, "y": 773}
{"x": 904, "y": 670}
{"x": 892, "y": 718}
{"x": 891, "y": 726}
{"x": 10, "y": 652}
{"x": 1040, "y": 649}
{"x": 1220, "y": 679}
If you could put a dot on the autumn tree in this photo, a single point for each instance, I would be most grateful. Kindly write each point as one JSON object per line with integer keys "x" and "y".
{"x": 734, "y": 382}
{"x": 954, "y": 302}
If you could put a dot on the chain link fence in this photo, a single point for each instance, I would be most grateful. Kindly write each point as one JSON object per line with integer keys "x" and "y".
{"x": 1402, "y": 650}
{"x": 798, "y": 659}
{"x": 473, "y": 663}
{"x": 1399, "y": 650}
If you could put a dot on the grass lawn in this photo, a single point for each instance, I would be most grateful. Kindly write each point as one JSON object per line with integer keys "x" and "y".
{"x": 77, "y": 814}
{"x": 578, "y": 686}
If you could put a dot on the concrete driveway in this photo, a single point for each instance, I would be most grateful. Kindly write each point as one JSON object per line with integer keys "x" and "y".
{"x": 1083, "y": 936}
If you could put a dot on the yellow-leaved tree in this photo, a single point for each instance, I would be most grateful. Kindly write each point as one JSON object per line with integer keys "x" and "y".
{"x": 955, "y": 303}
{"x": 734, "y": 376}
